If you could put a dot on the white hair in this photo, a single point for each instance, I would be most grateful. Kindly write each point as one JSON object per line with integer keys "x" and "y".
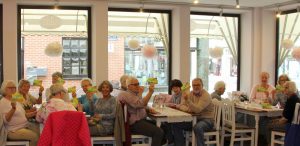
{"x": 87, "y": 79}
{"x": 292, "y": 88}
{"x": 4, "y": 85}
{"x": 123, "y": 80}
{"x": 219, "y": 85}
{"x": 129, "y": 80}
{"x": 56, "y": 88}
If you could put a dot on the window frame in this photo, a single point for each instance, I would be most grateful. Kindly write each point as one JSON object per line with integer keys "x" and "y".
{"x": 238, "y": 16}
{"x": 89, "y": 37}
{"x": 169, "y": 12}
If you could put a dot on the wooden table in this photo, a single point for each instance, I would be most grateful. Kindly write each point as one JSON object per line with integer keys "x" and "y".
{"x": 257, "y": 113}
{"x": 171, "y": 115}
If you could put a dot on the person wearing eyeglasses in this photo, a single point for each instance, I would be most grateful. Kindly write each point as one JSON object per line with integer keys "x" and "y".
{"x": 56, "y": 103}
{"x": 198, "y": 102}
{"x": 15, "y": 117}
{"x": 278, "y": 95}
{"x": 136, "y": 107}
{"x": 26, "y": 98}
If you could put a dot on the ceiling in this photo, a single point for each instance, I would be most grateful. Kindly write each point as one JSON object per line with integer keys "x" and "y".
{"x": 243, "y": 3}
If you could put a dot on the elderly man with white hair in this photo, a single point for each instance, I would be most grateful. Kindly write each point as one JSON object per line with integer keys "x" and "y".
{"x": 136, "y": 106}
{"x": 219, "y": 90}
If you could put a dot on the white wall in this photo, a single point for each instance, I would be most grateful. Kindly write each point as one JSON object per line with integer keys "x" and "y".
{"x": 257, "y": 44}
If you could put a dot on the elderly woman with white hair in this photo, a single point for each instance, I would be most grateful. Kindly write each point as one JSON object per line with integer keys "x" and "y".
{"x": 56, "y": 103}
{"x": 25, "y": 97}
{"x": 15, "y": 117}
{"x": 219, "y": 90}
{"x": 285, "y": 121}
{"x": 262, "y": 92}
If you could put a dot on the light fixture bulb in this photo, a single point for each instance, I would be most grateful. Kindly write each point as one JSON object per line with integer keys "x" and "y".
{"x": 221, "y": 12}
{"x": 278, "y": 14}
{"x": 196, "y": 2}
{"x": 237, "y": 4}
{"x": 141, "y": 9}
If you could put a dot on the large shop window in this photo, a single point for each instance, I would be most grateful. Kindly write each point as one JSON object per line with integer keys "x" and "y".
{"x": 214, "y": 49}
{"x": 53, "y": 40}
{"x": 288, "y": 46}
{"x": 138, "y": 45}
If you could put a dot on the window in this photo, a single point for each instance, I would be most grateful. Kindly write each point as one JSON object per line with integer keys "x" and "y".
{"x": 214, "y": 43}
{"x": 66, "y": 29}
{"x": 138, "y": 45}
{"x": 288, "y": 46}
{"x": 74, "y": 57}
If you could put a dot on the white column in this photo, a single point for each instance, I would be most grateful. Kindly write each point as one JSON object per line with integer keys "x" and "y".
{"x": 268, "y": 44}
{"x": 99, "y": 41}
{"x": 181, "y": 43}
{"x": 10, "y": 71}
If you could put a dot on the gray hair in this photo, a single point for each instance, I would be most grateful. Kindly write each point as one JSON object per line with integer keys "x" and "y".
{"x": 23, "y": 82}
{"x": 123, "y": 80}
{"x": 219, "y": 85}
{"x": 4, "y": 85}
{"x": 87, "y": 79}
{"x": 56, "y": 88}
{"x": 129, "y": 80}
{"x": 57, "y": 74}
{"x": 292, "y": 88}
{"x": 198, "y": 79}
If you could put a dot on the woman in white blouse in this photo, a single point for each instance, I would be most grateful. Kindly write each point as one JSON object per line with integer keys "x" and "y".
{"x": 15, "y": 117}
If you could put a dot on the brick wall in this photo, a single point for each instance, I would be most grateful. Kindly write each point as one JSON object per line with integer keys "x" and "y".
{"x": 116, "y": 59}
{"x": 34, "y": 56}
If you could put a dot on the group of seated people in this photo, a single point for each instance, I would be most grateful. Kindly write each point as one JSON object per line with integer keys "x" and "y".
{"x": 15, "y": 113}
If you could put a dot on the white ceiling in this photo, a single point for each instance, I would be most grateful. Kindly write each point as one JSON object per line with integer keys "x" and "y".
{"x": 243, "y": 3}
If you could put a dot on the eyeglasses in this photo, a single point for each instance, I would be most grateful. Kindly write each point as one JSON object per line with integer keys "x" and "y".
{"x": 196, "y": 85}
{"x": 135, "y": 84}
{"x": 11, "y": 87}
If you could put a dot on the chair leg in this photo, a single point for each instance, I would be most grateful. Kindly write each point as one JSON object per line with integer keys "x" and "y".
{"x": 272, "y": 138}
{"x": 232, "y": 139}
{"x": 218, "y": 139}
{"x": 222, "y": 136}
{"x": 252, "y": 138}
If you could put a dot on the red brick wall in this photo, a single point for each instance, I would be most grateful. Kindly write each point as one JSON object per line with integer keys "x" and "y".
{"x": 116, "y": 59}
{"x": 34, "y": 55}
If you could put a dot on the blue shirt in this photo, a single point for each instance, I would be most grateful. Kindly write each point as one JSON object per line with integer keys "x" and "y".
{"x": 87, "y": 105}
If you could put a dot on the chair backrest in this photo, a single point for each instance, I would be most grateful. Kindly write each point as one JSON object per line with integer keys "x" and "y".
{"x": 217, "y": 113}
{"x": 228, "y": 113}
{"x": 296, "y": 117}
{"x": 65, "y": 127}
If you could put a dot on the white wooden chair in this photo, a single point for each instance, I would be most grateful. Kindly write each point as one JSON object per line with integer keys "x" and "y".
{"x": 215, "y": 133}
{"x": 237, "y": 132}
{"x": 17, "y": 143}
{"x": 277, "y": 137}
